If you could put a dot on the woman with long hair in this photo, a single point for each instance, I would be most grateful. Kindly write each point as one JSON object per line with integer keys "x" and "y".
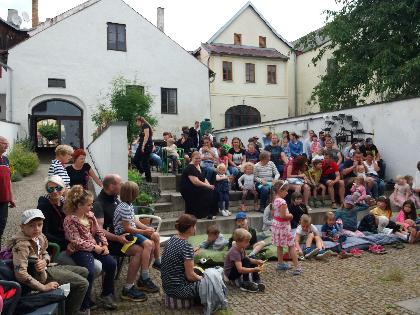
{"x": 145, "y": 148}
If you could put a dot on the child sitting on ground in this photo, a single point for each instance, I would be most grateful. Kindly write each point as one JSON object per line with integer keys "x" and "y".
{"x": 297, "y": 208}
{"x": 332, "y": 231}
{"x": 407, "y": 219}
{"x": 247, "y": 184}
{"x": 348, "y": 214}
{"x": 241, "y": 221}
{"x": 31, "y": 263}
{"x": 243, "y": 270}
{"x": 306, "y": 234}
{"x": 172, "y": 153}
{"x": 312, "y": 178}
{"x": 281, "y": 229}
{"x": 125, "y": 221}
{"x": 222, "y": 190}
{"x": 215, "y": 240}
{"x": 358, "y": 190}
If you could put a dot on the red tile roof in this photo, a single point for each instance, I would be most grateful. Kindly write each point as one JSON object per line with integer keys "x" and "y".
{"x": 244, "y": 51}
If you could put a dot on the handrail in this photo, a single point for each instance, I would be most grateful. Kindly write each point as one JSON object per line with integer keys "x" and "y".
{"x": 93, "y": 162}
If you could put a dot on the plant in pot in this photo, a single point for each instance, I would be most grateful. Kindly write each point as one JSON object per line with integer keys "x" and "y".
{"x": 49, "y": 131}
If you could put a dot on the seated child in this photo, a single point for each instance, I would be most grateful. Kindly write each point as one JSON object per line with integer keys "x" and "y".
{"x": 215, "y": 240}
{"x": 348, "y": 214}
{"x": 31, "y": 263}
{"x": 319, "y": 154}
{"x": 223, "y": 157}
{"x": 332, "y": 231}
{"x": 252, "y": 155}
{"x": 361, "y": 170}
{"x": 172, "y": 153}
{"x": 243, "y": 270}
{"x": 247, "y": 183}
{"x": 401, "y": 192}
{"x": 358, "y": 190}
{"x": 126, "y": 222}
{"x": 312, "y": 178}
{"x": 222, "y": 190}
{"x": 241, "y": 221}
{"x": 407, "y": 219}
{"x": 297, "y": 208}
{"x": 306, "y": 234}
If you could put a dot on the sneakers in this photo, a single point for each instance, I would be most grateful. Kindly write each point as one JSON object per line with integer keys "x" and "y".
{"x": 249, "y": 286}
{"x": 261, "y": 287}
{"x": 211, "y": 217}
{"x": 224, "y": 213}
{"x": 133, "y": 294}
{"x": 282, "y": 266}
{"x": 301, "y": 258}
{"x": 108, "y": 302}
{"x": 147, "y": 285}
{"x": 323, "y": 254}
{"x": 309, "y": 252}
{"x": 297, "y": 272}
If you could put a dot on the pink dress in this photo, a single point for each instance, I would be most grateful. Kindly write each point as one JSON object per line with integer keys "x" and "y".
{"x": 400, "y": 195}
{"x": 281, "y": 229}
{"x": 358, "y": 193}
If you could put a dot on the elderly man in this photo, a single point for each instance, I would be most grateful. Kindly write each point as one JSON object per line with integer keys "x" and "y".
{"x": 104, "y": 208}
{"x": 6, "y": 196}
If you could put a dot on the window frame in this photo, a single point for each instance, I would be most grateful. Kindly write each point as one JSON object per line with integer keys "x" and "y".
{"x": 57, "y": 83}
{"x": 249, "y": 69}
{"x": 264, "y": 39}
{"x": 229, "y": 70}
{"x": 270, "y": 74}
{"x": 135, "y": 86}
{"x": 237, "y": 39}
{"x": 241, "y": 115}
{"x": 162, "y": 90}
{"x": 116, "y": 27}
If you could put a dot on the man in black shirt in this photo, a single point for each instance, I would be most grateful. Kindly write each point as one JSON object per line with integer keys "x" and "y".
{"x": 185, "y": 143}
{"x": 194, "y": 134}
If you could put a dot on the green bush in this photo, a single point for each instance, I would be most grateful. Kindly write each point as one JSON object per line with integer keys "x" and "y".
{"x": 49, "y": 131}
{"x": 16, "y": 177}
{"x": 22, "y": 160}
{"x": 147, "y": 193}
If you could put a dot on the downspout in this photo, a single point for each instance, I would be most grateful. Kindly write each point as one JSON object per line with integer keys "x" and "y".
{"x": 296, "y": 93}
{"x": 10, "y": 90}
{"x": 208, "y": 67}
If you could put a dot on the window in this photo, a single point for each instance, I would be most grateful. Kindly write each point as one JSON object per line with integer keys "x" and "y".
{"x": 271, "y": 74}
{"x": 116, "y": 37}
{"x": 169, "y": 101}
{"x": 262, "y": 41}
{"x": 57, "y": 83}
{"x": 241, "y": 115}
{"x": 227, "y": 71}
{"x": 250, "y": 72}
{"x": 138, "y": 88}
{"x": 237, "y": 39}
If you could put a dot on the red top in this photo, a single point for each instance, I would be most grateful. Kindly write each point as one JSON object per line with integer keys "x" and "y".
{"x": 328, "y": 169}
{"x": 5, "y": 189}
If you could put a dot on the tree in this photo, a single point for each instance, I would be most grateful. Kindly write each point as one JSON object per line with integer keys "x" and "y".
{"x": 49, "y": 131}
{"x": 376, "y": 50}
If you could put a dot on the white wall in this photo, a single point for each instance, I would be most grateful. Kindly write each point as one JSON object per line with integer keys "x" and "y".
{"x": 108, "y": 153}
{"x": 75, "y": 49}
{"x": 395, "y": 126}
{"x": 9, "y": 131}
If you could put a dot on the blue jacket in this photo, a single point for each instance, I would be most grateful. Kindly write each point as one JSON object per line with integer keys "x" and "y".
{"x": 296, "y": 148}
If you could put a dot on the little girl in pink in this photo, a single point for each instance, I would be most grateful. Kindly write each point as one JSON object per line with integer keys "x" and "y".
{"x": 358, "y": 190}
{"x": 402, "y": 192}
{"x": 407, "y": 219}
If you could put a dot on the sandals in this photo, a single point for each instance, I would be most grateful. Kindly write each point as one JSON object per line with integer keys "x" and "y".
{"x": 356, "y": 252}
{"x": 377, "y": 249}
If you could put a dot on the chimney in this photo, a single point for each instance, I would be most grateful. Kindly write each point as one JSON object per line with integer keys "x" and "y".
{"x": 35, "y": 18}
{"x": 160, "y": 19}
{"x": 10, "y": 14}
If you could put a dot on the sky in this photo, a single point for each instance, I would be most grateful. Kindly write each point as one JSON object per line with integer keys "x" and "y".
{"x": 191, "y": 22}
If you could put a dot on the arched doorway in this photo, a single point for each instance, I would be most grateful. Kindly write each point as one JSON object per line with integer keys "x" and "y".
{"x": 241, "y": 115}
{"x": 59, "y": 119}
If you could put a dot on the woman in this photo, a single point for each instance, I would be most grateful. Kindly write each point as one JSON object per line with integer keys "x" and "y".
{"x": 375, "y": 185}
{"x": 142, "y": 156}
{"x": 209, "y": 157}
{"x": 337, "y": 155}
{"x": 177, "y": 273}
{"x": 79, "y": 172}
{"x": 63, "y": 154}
{"x": 295, "y": 145}
{"x": 296, "y": 178}
{"x": 196, "y": 190}
{"x": 265, "y": 173}
{"x": 276, "y": 153}
{"x": 236, "y": 157}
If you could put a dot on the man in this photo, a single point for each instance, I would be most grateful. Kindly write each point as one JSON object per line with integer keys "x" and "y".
{"x": 187, "y": 144}
{"x": 104, "y": 208}
{"x": 6, "y": 195}
{"x": 330, "y": 177}
{"x": 277, "y": 155}
{"x": 322, "y": 138}
{"x": 194, "y": 134}
{"x": 368, "y": 146}
{"x": 307, "y": 144}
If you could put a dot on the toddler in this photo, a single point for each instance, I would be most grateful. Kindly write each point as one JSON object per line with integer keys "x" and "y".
{"x": 312, "y": 178}
{"x": 243, "y": 270}
{"x": 222, "y": 190}
{"x": 281, "y": 229}
{"x": 358, "y": 190}
{"x": 315, "y": 145}
{"x": 223, "y": 157}
{"x": 172, "y": 153}
{"x": 332, "y": 231}
{"x": 247, "y": 184}
{"x": 306, "y": 234}
{"x": 401, "y": 192}
{"x": 360, "y": 170}
{"x": 215, "y": 240}
{"x": 319, "y": 154}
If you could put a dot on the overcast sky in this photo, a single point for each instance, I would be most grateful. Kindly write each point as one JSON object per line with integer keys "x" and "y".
{"x": 190, "y": 22}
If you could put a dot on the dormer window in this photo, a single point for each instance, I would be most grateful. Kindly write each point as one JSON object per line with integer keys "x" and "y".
{"x": 237, "y": 39}
{"x": 262, "y": 41}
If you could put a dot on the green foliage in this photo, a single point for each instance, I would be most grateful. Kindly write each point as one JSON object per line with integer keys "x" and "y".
{"x": 147, "y": 193}
{"x": 49, "y": 131}
{"x": 375, "y": 48}
{"x": 103, "y": 116}
{"x": 27, "y": 143}
{"x": 22, "y": 161}
{"x": 134, "y": 176}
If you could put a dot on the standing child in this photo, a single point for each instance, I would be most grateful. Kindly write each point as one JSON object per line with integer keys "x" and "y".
{"x": 306, "y": 234}
{"x": 126, "y": 222}
{"x": 401, "y": 192}
{"x": 407, "y": 219}
{"x": 281, "y": 229}
{"x": 247, "y": 184}
{"x": 172, "y": 153}
{"x": 358, "y": 190}
{"x": 86, "y": 242}
{"x": 222, "y": 190}
{"x": 297, "y": 208}
{"x": 312, "y": 178}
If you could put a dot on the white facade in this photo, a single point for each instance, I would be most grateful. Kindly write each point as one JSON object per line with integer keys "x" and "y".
{"x": 75, "y": 49}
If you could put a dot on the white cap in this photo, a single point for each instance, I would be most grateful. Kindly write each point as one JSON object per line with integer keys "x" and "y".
{"x": 382, "y": 223}
{"x": 31, "y": 214}
{"x": 56, "y": 180}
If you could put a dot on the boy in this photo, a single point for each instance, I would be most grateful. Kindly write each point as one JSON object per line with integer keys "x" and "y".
{"x": 307, "y": 233}
{"x": 242, "y": 222}
{"x": 313, "y": 176}
{"x": 332, "y": 231}
{"x": 215, "y": 240}
{"x": 31, "y": 260}
{"x": 297, "y": 208}
{"x": 238, "y": 267}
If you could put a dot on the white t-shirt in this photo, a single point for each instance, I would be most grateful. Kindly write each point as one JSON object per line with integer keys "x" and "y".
{"x": 312, "y": 229}
{"x": 370, "y": 168}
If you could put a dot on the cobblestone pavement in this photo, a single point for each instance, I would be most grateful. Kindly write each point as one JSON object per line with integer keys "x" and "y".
{"x": 367, "y": 285}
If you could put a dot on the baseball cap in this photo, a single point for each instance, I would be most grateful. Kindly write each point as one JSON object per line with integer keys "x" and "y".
{"x": 240, "y": 215}
{"x": 349, "y": 200}
{"x": 31, "y": 214}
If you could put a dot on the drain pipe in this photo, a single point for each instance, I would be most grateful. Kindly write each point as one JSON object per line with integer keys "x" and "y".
{"x": 5, "y": 66}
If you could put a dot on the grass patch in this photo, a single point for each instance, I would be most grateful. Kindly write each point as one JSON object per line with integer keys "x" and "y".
{"x": 394, "y": 274}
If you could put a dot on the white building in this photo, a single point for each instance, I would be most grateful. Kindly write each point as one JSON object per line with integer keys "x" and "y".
{"x": 254, "y": 71}
{"x": 64, "y": 70}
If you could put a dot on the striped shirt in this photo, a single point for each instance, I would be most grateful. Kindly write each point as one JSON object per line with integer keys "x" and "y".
{"x": 57, "y": 168}
{"x": 266, "y": 172}
{"x": 123, "y": 212}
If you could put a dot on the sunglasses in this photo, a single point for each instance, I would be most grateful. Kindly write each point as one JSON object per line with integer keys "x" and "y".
{"x": 56, "y": 188}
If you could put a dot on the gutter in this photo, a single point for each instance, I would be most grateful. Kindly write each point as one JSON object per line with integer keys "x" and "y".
{"x": 10, "y": 118}
{"x": 296, "y": 86}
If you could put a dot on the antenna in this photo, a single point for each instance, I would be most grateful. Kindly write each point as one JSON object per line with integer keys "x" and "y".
{"x": 16, "y": 20}
{"x": 25, "y": 16}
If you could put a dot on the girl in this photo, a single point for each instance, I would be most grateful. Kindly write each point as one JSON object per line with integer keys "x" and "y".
{"x": 236, "y": 157}
{"x": 281, "y": 230}
{"x": 209, "y": 157}
{"x": 407, "y": 219}
{"x": 223, "y": 156}
{"x": 125, "y": 222}
{"x": 86, "y": 242}
{"x": 172, "y": 154}
{"x": 319, "y": 154}
{"x": 222, "y": 190}
{"x": 315, "y": 145}
{"x": 358, "y": 190}
{"x": 247, "y": 184}
{"x": 401, "y": 192}
{"x": 285, "y": 147}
